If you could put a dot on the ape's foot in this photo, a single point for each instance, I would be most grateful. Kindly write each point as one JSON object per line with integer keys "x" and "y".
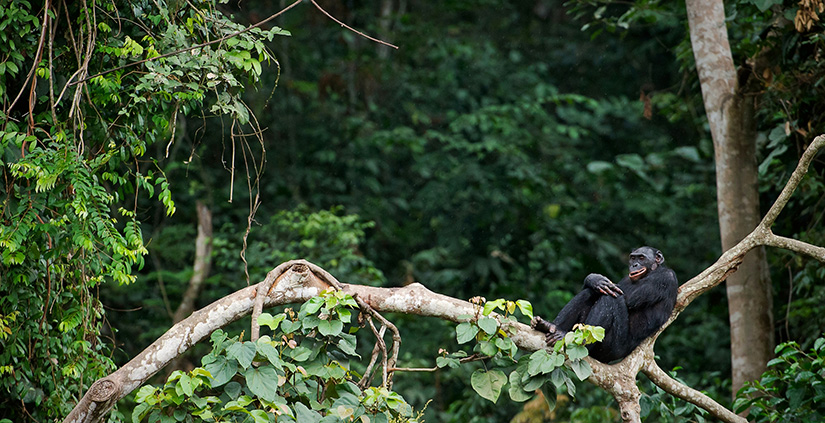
{"x": 552, "y": 337}
{"x": 542, "y": 325}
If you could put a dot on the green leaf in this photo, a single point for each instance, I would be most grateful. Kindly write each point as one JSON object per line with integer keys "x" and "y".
{"x": 549, "y": 392}
{"x": 288, "y": 326}
{"x": 526, "y": 308}
{"x": 488, "y": 325}
{"x": 598, "y": 166}
{"x": 488, "y": 384}
{"x": 465, "y": 332}
{"x": 764, "y": 5}
{"x": 489, "y": 306}
{"x": 244, "y": 352}
{"x": 348, "y": 343}
{"x": 330, "y": 327}
{"x": 263, "y": 382}
{"x": 186, "y": 384}
{"x": 222, "y": 370}
{"x": 271, "y": 353}
{"x": 233, "y": 389}
{"x": 300, "y": 353}
{"x": 313, "y": 305}
{"x": 266, "y": 319}
{"x": 543, "y": 362}
{"x": 516, "y": 390}
{"x": 260, "y": 416}
{"x": 576, "y": 352}
{"x": 447, "y": 362}
{"x": 305, "y": 415}
{"x": 581, "y": 368}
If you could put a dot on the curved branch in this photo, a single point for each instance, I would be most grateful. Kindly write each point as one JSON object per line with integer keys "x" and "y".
{"x": 793, "y": 181}
{"x": 280, "y": 287}
{"x": 678, "y": 389}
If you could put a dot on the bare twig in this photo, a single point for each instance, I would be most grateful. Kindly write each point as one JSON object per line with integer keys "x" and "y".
{"x": 366, "y": 379}
{"x": 474, "y": 357}
{"x": 353, "y": 29}
{"x": 37, "y": 56}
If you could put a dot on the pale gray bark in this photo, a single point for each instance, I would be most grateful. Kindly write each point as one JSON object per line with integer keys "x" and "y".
{"x": 203, "y": 262}
{"x": 731, "y": 118}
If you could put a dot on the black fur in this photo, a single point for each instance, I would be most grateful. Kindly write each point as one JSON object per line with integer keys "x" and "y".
{"x": 629, "y": 312}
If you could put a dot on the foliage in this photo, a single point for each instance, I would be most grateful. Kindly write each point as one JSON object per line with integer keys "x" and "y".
{"x": 791, "y": 390}
{"x": 328, "y": 238}
{"x": 533, "y": 371}
{"x": 301, "y": 372}
{"x": 80, "y": 153}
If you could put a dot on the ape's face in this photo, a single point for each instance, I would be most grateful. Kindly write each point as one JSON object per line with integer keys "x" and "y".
{"x": 642, "y": 261}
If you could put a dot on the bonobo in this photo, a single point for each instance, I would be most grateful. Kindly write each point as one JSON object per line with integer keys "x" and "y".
{"x": 629, "y": 312}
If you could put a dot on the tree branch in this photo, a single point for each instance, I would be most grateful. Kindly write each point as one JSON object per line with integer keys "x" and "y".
{"x": 680, "y": 390}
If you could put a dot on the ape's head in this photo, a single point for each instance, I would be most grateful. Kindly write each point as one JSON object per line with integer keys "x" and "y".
{"x": 643, "y": 261}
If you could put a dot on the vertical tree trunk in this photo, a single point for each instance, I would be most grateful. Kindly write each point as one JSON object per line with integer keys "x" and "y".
{"x": 731, "y": 118}
{"x": 203, "y": 263}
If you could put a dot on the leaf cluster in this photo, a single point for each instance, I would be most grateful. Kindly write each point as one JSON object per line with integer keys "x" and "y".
{"x": 791, "y": 390}
{"x": 299, "y": 372}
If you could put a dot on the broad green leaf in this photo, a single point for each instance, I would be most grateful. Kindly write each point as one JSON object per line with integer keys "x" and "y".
{"x": 516, "y": 390}
{"x": 526, "y": 308}
{"x": 233, "y": 389}
{"x": 549, "y": 392}
{"x": 300, "y": 353}
{"x": 305, "y": 415}
{"x": 488, "y": 384}
{"x": 539, "y": 363}
{"x": 465, "y": 332}
{"x": 330, "y": 327}
{"x": 347, "y": 344}
{"x": 222, "y": 370}
{"x": 488, "y": 325}
{"x": 288, "y": 326}
{"x": 186, "y": 385}
{"x": 263, "y": 382}
{"x": 581, "y": 368}
{"x": 576, "y": 352}
{"x": 266, "y": 319}
{"x": 244, "y": 352}
{"x": 447, "y": 361}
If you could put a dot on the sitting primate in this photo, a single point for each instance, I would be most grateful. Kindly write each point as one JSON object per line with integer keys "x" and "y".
{"x": 629, "y": 312}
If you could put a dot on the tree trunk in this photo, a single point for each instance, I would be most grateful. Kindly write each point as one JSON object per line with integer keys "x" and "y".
{"x": 203, "y": 263}
{"x": 731, "y": 119}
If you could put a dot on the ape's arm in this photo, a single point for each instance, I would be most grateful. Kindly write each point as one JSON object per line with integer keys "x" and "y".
{"x": 601, "y": 284}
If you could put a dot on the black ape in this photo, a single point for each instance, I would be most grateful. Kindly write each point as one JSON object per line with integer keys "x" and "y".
{"x": 629, "y": 312}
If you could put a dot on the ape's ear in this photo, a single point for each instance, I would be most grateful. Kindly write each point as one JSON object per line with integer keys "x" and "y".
{"x": 659, "y": 257}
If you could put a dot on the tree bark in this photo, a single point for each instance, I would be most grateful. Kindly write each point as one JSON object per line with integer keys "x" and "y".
{"x": 730, "y": 114}
{"x": 203, "y": 263}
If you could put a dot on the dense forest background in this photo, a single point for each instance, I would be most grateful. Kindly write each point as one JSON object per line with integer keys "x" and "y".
{"x": 502, "y": 150}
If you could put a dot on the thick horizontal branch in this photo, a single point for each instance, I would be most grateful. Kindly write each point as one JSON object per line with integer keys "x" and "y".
{"x": 411, "y": 299}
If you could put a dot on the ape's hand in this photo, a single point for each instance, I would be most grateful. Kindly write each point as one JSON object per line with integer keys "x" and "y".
{"x": 601, "y": 284}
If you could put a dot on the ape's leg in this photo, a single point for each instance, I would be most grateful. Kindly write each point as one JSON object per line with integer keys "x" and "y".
{"x": 576, "y": 311}
{"x": 611, "y": 314}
